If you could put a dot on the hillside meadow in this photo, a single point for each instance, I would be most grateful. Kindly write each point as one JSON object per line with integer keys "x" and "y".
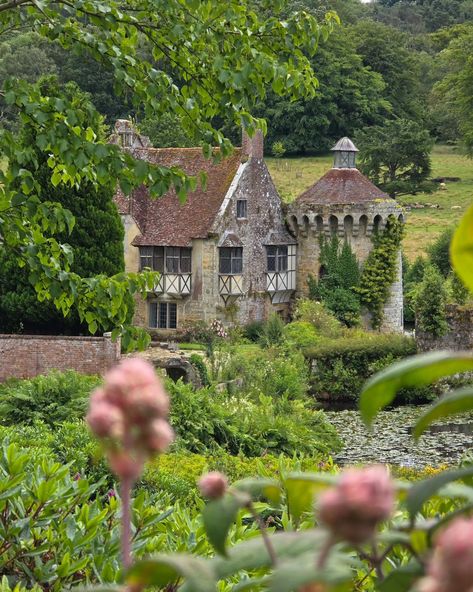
{"x": 293, "y": 175}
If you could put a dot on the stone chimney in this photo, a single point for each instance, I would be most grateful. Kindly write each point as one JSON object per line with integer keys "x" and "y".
{"x": 252, "y": 147}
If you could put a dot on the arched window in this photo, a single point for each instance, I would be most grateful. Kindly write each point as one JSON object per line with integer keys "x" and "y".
{"x": 333, "y": 224}
{"x": 363, "y": 225}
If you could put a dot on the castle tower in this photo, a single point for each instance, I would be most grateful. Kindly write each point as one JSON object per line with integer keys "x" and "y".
{"x": 346, "y": 204}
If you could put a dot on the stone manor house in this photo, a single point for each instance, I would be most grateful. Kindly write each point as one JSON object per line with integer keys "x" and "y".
{"x": 231, "y": 252}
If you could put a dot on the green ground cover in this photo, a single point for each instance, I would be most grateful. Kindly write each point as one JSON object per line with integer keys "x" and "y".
{"x": 293, "y": 175}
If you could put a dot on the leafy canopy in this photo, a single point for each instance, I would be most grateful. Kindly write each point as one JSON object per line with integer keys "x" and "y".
{"x": 230, "y": 56}
{"x": 396, "y": 156}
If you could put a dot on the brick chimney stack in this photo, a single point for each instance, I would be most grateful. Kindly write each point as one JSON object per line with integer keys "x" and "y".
{"x": 252, "y": 147}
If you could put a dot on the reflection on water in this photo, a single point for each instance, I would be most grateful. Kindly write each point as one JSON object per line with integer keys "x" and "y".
{"x": 391, "y": 439}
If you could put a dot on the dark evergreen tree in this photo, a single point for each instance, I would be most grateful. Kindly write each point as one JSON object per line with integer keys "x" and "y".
{"x": 96, "y": 240}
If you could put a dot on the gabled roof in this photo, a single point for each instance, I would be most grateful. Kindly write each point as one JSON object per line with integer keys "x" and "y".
{"x": 341, "y": 186}
{"x": 165, "y": 220}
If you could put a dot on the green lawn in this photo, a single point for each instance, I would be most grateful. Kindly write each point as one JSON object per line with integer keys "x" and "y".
{"x": 293, "y": 175}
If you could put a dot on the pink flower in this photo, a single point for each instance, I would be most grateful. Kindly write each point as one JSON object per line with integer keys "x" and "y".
{"x": 130, "y": 414}
{"x": 105, "y": 420}
{"x": 213, "y": 485}
{"x": 160, "y": 435}
{"x": 451, "y": 566}
{"x": 362, "y": 499}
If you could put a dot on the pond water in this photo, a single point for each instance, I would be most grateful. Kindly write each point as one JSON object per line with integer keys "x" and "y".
{"x": 391, "y": 441}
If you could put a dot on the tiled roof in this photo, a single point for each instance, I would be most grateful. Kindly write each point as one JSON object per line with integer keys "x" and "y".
{"x": 166, "y": 221}
{"x": 341, "y": 186}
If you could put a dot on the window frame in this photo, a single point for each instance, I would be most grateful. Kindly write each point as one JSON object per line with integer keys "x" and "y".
{"x": 279, "y": 257}
{"x": 234, "y": 257}
{"x": 166, "y": 260}
{"x": 243, "y": 203}
{"x": 164, "y": 314}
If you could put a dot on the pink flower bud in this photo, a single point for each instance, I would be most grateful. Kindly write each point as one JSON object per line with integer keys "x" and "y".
{"x": 105, "y": 420}
{"x": 144, "y": 404}
{"x": 130, "y": 374}
{"x": 213, "y": 485}
{"x": 362, "y": 498}
{"x": 451, "y": 566}
{"x": 160, "y": 436}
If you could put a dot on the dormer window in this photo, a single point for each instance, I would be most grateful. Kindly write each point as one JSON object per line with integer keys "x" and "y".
{"x": 241, "y": 207}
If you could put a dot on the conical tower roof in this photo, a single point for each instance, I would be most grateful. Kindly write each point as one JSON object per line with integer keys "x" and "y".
{"x": 342, "y": 184}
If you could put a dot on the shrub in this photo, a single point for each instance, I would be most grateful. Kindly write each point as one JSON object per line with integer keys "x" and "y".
{"x": 60, "y": 531}
{"x": 56, "y": 397}
{"x": 431, "y": 301}
{"x": 301, "y": 334}
{"x": 201, "y": 368}
{"x": 206, "y": 421}
{"x": 319, "y": 316}
{"x": 439, "y": 251}
{"x": 253, "y": 331}
{"x": 277, "y": 372}
{"x": 340, "y": 366}
{"x": 340, "y": 274}
{"x": 273, "y": 331}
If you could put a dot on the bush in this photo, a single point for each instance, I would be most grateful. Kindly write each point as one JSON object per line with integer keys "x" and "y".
{"x": 56, "y": 397}
{"x": 201, "y": 368}
{"x": 431, "y": 303}
{"x": 345, "y": 305}
{"x": 253, "y": 331}
{"x": 273, "y": 331}
{"x": 206, "y": 421}
{"x": 301, "y": 334}
{"x": 439, "y": 251}
{"x": 60, "y": 531}
{"x": 311, "y": 311}
{"x": 340, "y": 366}
{"x": 277, "y": 372}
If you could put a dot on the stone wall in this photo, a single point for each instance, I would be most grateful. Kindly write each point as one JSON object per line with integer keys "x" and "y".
{"x": 459, "y": 335}
{"x": 25, "y": 356}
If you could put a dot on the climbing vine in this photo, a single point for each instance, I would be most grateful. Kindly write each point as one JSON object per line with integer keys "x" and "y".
{"x": 379, "y": 271}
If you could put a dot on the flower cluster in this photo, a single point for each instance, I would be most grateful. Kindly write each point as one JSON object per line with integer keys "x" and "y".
{"x": 217, "y": 327}
{"x": 451, "y": 566}
{"x": 362, "y": 499}
{"x": 129, "y": 414}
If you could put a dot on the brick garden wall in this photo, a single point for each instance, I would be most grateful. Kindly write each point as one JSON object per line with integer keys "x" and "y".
{"x": 25, "y": 356}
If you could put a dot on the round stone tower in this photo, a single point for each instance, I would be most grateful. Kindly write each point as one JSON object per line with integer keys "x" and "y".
{"x": 344, "y": 203}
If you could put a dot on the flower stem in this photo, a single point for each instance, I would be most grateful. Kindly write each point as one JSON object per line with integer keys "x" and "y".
{"x": 264, "y": 534}
{"x": 125, "y": 492}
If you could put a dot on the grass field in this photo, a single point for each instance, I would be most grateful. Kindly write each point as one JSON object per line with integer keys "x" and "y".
{"x": 293, "y": 175}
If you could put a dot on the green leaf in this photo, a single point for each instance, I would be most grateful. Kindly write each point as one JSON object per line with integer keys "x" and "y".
{"x": 258, "y": 488}
{"x": 452, "y": 403}
{"x": 461, "y": 249}
{"x": 301, "y": 570}
{"x": 301, "y": 489}
{"x": 419, "y": 370}
{"x": 163, "y": 570}
{"x": 402, "y": 578}
{"x": 218, "y": 517}
{"x": 252, "y": 554}
{"x": 423, "y": 490}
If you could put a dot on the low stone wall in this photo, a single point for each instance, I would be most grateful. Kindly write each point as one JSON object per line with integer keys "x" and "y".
{"x": 459, "y": 335}
{"x": 25, "y": 356}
